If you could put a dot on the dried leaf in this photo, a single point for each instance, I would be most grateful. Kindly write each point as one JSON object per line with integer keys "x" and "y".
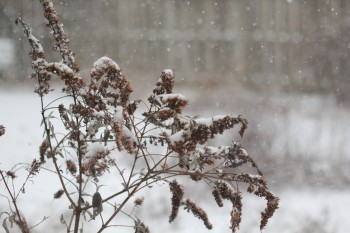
{"x": 62, "y": 219}
{"x": 97, "y": 204}
{"x": 4, "y": 225}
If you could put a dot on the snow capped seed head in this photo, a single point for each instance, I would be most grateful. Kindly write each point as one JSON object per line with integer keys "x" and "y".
{"x": 168, "y": 72}
{"x": 104, "y": 63}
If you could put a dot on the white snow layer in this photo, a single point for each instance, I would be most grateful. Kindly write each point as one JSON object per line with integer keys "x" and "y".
{"x": 104, "y": 63}
{"x": 94, "y": 148}
{"x": 165, "y": 97}
{"x": 169, "y": 72}
{"x": 127, "y": 133}
{"x": 118, "y": 114}
{"x": 209, "y": 121}
{"x": 61, "y": 68}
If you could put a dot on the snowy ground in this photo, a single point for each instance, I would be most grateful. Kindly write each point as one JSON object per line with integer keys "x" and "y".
{"x": 315, "y": 208}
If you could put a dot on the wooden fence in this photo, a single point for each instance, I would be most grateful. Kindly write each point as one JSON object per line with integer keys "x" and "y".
{"x": 288, "y": 43}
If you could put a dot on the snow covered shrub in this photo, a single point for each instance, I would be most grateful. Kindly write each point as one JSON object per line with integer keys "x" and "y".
{"x": 104, "y": 127}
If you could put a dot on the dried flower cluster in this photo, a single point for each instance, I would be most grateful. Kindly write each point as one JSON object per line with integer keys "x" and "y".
{"x": 34, "y": 168}
{"x": 139, "y": 201}
{"x": 223, "y": 190}
{"x": 101, "y": 123}
{"x": 140, "y": 227}
{"x": 11, "y": 174}
{"x": 272, "y": 205}
{"x": 2, "y": 130}
{"x": 58, "y": 194}
{"x": 43, "y": 149}
{"x": 177, "y": 195}
{"x": 198, "y": 212}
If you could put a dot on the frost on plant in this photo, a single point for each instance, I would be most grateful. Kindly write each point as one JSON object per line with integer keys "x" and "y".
{"x": 102, "y": 123}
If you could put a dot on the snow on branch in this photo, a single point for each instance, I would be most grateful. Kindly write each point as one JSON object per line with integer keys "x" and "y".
{"x": 60, "y": 69}
{"x": 37, "y": 50}
{"x": 62, "y": 42}
{"x": 102, "y": 66}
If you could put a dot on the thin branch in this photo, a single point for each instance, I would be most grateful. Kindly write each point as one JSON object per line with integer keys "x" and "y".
{"x": 21, "y": 223}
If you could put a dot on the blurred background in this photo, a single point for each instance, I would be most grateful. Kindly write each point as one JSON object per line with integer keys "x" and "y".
{"x": 282, "y": 64}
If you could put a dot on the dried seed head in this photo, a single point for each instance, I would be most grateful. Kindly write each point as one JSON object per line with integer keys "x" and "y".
{"x": 11, "y": 174}
{"x": 198, "y": 212}
{"x": 197, "y": 176}
{"x": 235, "y": 220}
{"x": 250, "y": 188}
{"x": 139, "y": 201}
{"x": 79, "y": 179}
{"x": 34, "y": 168}
{"x": 2, "y": 130}
{"x": 272, "y": 205}
{"x": 71, "y": 167}
{"x": 42, "y": 150}
{"x": 178, "y": 193}
{"x": 58, "y": 194}
{"x": 140, "y": 227}
{"x": 217, "y": 196}
{"x": 166, "y": 83}
{"x": 62, "y": 42}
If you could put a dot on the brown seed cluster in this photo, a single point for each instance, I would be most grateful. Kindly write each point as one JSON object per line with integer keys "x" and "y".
{"x": 217, "y": 196}
{"x": 256, "y": 180}
{"x": 237, "y": 156}
{"x": 191, "y": 133}
{"x": 202, "y": 133}
{"x": 99, "y": 96}
{"x": 272, "y": 205}
{"x": 34, "y": 168}
{"x": 11, "y": 174}
{"x": 71, "y": 166}
{"x": 177, "y": 195}
{"x": 38, "y": 56}
{"x": 123, "y": 141}
{"x": 198, "y": 212}
{"x": 2, "y": 130}
{"x": 236, "y": 217}
{"x": 42, "y": 150}
{"x": 62, "y": 42}
{"x": 58, "y": 194}
{"x": 37, "y": 52}
{"x": 139, "y": 201}
{"x": 167, "y": 105}
{"x": 96, "y": 164}
{"x": 197, "y": 176}
{"x": 165, "y": 84}
{"x": 68, "y": 123}
{"x": 223, "y": 190}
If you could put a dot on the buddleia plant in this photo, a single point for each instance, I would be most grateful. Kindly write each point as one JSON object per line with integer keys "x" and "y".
{"x": 101, "y": 124}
